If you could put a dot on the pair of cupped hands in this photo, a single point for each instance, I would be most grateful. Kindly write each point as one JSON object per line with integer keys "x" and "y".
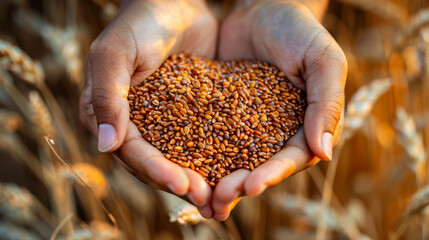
{"x": 145, "y": 32}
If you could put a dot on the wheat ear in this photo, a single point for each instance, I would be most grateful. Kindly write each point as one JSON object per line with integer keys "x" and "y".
{"x": 181, "y": 211}
{"x": 416, "y": 23}
{"x": 317, "y": 212}
{"x": 41, "y": 117}
{"x": 15, "y": 60}
{"x": 361, "y": 105}
{"x": 412, "y": 142}
{"x": 63, "y": 42}
{"x": 418, "y": 202}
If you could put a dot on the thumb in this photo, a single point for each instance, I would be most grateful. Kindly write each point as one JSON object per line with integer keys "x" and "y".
{"x": 111, "y": 71}
{"x": 325, "y": 76}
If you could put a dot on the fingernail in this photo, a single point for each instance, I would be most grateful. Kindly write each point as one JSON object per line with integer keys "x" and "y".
{"x": 327, "y": 145}
{"x": 106, "y": 137}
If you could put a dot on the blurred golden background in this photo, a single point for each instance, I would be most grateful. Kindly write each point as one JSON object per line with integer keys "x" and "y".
{"x": 55, "y": 185}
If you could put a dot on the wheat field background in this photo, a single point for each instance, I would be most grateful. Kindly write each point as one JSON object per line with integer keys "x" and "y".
{"x": 55, "y": 185}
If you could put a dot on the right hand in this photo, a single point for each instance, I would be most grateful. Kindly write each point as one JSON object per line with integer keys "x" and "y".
{"x": 133, "y": 46}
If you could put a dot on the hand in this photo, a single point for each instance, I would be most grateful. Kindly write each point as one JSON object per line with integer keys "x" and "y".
{"x": 287, "y": 34}
{"x": 133, "y": 46}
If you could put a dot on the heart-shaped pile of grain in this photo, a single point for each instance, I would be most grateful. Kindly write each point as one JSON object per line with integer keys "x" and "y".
{"x": 216, "y": 117}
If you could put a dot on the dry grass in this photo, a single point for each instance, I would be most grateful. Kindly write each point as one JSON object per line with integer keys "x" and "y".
{"x": 67, "y": 190}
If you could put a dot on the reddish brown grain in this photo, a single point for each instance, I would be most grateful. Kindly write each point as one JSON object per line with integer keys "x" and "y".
{"x": 216, "y": 117}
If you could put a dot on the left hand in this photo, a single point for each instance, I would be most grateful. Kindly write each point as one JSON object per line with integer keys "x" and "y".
{"x": 286, "y": 34}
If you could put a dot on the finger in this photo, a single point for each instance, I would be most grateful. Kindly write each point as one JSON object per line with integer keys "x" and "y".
{"x": 291, "y": 159}
{"x": 325, "y": 74}
{"x": 206, "y": 211}
{"x": 86, "y": 111}
{"x": 199, "y": 192}
{"x": 148, "y": 161}
{"x": 224, "y": 215}
{"x": 226, "y": 192}
{"x": 112, "y": 61}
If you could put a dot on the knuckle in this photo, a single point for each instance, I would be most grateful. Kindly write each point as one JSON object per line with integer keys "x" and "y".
{"x": 333, "y": 113}
{"x": 97, "y": 45}
{"x": 85, "y": 106}
{"x": 102, "y": 45}
{"x": 101, "y": 100}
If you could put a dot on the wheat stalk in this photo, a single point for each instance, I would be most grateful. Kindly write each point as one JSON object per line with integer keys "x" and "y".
{"x": 12, "y": 145}
{"x": 51, "y": 144}
{"x": 15, "y": 60}
{"x": 412, "y": 141}
{"x": 385, "y": 9}
{"x": 41, "y": 117}
{"x": 416, "y": 206}
{"x": 14, "y": 93}
{"x": 95, "y": 230}
{"x": 103, "y": 230}
{"x": 362, "y": 103}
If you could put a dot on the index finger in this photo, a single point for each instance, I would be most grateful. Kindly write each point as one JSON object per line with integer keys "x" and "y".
{"x": 147, "y": 160}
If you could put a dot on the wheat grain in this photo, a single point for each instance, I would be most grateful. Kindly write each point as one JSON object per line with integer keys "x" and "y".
{"x": 361, "y": 105}
{"x": 15, "y": 60}
{"x": 41, "y": 117}
{"x": 412, "y": 141}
